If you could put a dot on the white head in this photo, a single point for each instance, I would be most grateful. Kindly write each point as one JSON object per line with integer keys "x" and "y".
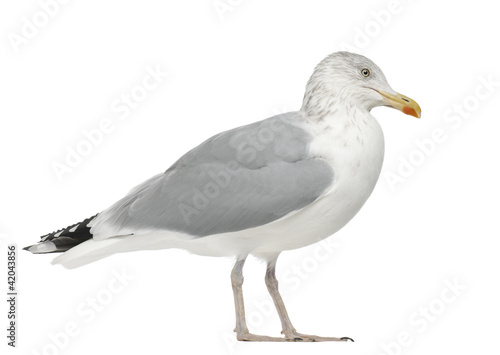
{"x": 352, "y": 81}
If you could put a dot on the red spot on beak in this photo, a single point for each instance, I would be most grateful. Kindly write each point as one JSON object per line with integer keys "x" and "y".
{"x": 409, "y": 111}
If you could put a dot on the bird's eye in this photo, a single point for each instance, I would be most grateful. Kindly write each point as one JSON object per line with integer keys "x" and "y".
{"x": 365, "y": 72}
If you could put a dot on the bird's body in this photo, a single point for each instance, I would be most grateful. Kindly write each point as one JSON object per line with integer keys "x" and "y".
{"x": 353, "y": 152}
{"x": 278, "y": 184}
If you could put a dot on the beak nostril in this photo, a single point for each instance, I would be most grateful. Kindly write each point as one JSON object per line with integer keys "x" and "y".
{"x": 405, "y": 99}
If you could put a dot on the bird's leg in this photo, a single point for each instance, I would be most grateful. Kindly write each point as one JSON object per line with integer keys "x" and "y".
{"x": 237, "y": 283}
{"x": 272, "y": 286}
{"x": 288, "y": 330}
{"x": 241, "y": 329}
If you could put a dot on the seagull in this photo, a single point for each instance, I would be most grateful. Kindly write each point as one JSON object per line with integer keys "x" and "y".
{"x": 278, "y": 184}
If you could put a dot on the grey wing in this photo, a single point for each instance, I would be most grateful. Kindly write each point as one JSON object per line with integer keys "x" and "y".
{"x": 236, "y": 180}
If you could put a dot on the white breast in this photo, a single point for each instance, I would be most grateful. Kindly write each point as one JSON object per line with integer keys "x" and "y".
{"x": 356, "y": 154}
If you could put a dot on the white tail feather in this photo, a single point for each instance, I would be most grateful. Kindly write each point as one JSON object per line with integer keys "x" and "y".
{"x": 87, "y": 252}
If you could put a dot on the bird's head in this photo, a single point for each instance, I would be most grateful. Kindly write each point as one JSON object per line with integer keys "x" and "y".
{"x": 352, "y": 80}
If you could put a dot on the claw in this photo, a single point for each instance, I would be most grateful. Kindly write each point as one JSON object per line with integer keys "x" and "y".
{"x": 347, "y": 339}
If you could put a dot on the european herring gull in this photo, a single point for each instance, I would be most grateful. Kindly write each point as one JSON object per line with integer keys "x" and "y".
{"x": 278, "y": 184}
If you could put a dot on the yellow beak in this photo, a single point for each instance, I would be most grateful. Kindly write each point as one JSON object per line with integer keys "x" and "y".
{"x": 402, "y": 103}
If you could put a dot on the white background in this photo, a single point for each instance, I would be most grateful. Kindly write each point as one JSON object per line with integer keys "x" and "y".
{"x": 437, "y": 225}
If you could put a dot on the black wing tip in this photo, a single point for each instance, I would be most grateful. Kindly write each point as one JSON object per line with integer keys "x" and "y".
{"x": 63, "y": 239}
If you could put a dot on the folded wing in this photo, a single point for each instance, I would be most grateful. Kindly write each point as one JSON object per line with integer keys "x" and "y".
{"x": 238, "y": 179}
